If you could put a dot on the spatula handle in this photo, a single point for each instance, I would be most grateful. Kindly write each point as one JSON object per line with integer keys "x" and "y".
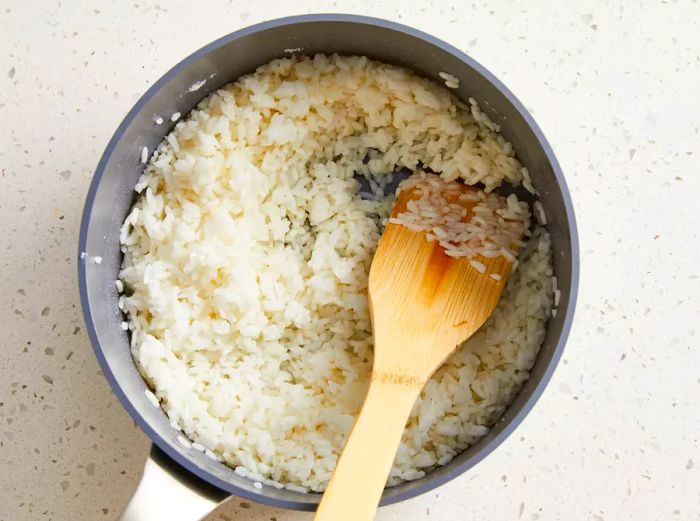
{"x": 356, "y": 486}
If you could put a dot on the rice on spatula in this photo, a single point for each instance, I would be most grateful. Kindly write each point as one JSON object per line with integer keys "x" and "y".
{"x": 436, "y": 277}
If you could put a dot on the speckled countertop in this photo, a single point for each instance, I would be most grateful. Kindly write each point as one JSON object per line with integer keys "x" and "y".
{"x": 615, "y": 88}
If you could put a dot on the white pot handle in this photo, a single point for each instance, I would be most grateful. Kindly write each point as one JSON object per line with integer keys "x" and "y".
{"x": 167, "y": 491}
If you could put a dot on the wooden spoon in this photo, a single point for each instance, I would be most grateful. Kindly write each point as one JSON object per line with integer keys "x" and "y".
{"x": 423, "y": 304}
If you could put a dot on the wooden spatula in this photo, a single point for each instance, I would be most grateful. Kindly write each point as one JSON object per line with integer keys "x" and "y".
{"x": 423, "y": 304}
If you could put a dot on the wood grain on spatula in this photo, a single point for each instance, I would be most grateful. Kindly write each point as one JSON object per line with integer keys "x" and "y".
{"x": 423, "y": 304}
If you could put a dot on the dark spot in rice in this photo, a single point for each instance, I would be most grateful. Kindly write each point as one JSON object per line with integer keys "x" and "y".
{"x": 47, "y": 379}
{"x": 244, "y": 504}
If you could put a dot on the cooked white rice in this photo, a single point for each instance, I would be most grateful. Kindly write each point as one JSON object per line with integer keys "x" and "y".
{"x": 184, "y": 441}
{"x": 246, "y": 262}
{"x": 478, "y": 266}
{"x": 539, "y": 212}
{"x": 451, "y": 81}
{"x": 466, "y": 223}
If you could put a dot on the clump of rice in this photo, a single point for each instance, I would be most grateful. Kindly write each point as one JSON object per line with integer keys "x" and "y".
{"x": 246, "y": 258}
{"x": 451, "y": 81}
{"x": 465, "y": 223}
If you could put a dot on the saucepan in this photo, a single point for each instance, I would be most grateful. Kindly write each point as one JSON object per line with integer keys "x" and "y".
{"x": 183, "y": 484}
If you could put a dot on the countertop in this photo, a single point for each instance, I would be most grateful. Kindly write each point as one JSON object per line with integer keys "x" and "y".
{"x": 614, "y": 86}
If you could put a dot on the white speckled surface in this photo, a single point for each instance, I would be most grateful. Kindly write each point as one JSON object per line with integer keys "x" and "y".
{"x": 614, "y": 85}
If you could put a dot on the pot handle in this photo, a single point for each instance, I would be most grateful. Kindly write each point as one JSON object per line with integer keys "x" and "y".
{"x": 167, "y": 491}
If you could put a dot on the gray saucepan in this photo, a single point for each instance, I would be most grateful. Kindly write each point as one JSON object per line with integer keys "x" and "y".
{"x": 181, "y": 483}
